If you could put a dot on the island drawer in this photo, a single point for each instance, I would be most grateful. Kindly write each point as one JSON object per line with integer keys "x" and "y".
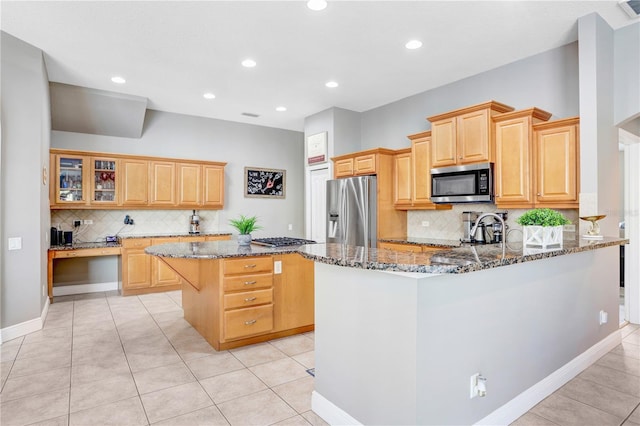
{"x": 248, "y": 298}
{"x": 247, "y": 282}
{"x": 248, "y": 265}
{"x": 249, "y": 321}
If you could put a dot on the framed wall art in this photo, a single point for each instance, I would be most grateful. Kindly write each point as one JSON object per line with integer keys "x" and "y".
{"x": 269, "y": 183}
{"x": 317, "y": 148}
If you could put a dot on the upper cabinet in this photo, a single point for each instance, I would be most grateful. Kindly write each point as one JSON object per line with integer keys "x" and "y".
{"x": 85, "y": 180}
{"x": 465, "y": 135}
{"x": 402, "y": 194}
{"x": 514, "y": 166}
{"x": 360, "y": 163}
{"x": 557, "y": 148}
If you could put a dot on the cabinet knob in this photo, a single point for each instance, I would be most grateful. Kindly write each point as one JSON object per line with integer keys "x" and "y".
{"x": 250, "y": 322}
{"x": 538, "y": 194}
{"x": 249, "y": 282}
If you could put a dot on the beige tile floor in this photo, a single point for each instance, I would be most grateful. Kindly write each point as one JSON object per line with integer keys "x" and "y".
{"x": 102, "y": 359}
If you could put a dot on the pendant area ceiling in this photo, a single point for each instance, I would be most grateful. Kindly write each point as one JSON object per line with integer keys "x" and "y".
{"x": 174, "y": 52}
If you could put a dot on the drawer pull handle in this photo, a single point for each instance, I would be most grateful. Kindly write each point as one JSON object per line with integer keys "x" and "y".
{"x": 250, "y": 322}
{"x": 250, "y": 266}
{"x": 249, "y": 282}
{"x": 250, "y": 299}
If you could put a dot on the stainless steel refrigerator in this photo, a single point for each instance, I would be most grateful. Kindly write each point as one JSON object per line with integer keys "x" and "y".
{"x": 352, "y": 211}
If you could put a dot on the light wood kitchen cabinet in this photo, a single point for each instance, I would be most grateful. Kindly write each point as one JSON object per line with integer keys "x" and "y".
{"x": 162, "y": 179}
{"x": 557, "y": 163}
{"x": 293, "y": 293}
{"x": 343, "y": 167}
{"x": 213, "y": 181}
{"x": 135, "y": 182}
{"x": 136, "y": 266}
{"x": 89, "y": 180}
{"x": 514, "y": 171}
{"x": 379, "y": 161}
{"x": 413, "y": 248}
{"x": 142, "y": 273}
{"x": 464, "y": 136}
{"x": 402, "y": 181}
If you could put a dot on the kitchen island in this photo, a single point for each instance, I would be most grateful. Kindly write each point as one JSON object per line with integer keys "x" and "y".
{"x": 399, "y": 335}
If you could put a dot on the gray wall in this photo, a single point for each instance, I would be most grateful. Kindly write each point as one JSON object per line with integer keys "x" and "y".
{"x": 182, "y": 136}
{"x": 548, "y": 81}
{"x": 26, "y": 127}
{"x": 627, "y": 73}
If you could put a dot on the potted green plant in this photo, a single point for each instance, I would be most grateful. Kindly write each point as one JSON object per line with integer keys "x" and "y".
{"x": 245, "y": 225}
{"x": 542, "y": 228}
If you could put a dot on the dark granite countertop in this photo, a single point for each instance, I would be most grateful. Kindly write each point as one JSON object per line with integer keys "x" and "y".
{"x": 184, "y": 234}
{"x": 431, "y": 242}
{"x": 77, "y": 246}
{"x": 449, "y": 261}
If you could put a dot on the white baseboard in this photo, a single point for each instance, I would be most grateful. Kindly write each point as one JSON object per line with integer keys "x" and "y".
{"x": 329, "y": 412}
{"x": 66, "y": 290}
{"x": 522, "y": 403}
{"x": 24, "y": 328}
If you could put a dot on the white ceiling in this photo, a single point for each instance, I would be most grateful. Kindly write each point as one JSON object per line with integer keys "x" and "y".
{"x": 173, "y": 52}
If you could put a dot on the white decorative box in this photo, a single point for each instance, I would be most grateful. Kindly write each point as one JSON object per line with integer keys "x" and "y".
{"x": 544, "y": 237}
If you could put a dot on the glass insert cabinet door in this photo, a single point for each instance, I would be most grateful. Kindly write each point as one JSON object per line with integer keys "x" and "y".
{"x": 103, "y": 180}
{"x": 70, "y": 183}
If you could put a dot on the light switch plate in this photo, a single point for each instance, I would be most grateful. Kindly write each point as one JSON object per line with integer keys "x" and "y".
{"x": 15, "y": 243}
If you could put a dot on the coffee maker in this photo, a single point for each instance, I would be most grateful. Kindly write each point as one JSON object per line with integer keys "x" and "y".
{"x": 194, "y": 224}
{"x": 497, "y": 232}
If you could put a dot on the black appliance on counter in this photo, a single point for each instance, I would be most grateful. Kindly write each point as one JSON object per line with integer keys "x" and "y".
{"x": 281, "y": 241}
{"x": 61, "y": 238}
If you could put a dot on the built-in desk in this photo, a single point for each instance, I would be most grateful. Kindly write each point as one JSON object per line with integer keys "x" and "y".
{"x": 77, "y": 250}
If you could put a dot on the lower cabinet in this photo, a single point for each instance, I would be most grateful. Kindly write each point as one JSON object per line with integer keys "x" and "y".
{"x": 239, "y": 301}
{"x": 141, "y": 273}
{"x": 414, "y": 248}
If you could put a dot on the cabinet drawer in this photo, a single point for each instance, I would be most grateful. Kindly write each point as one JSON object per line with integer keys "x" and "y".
{"x": 248, "y": 298}
{"x": 248, "y": 265}
{"x": 107, "y": 251}
{"x": 365, "y": 164}
{"x": 247, "y": 282}
{"x": 246, "y": 322}
{"x": 136, "y": 243}
{"x": 200, "y": 239}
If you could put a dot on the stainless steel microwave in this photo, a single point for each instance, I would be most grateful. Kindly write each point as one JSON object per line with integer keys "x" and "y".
{"x": 470, "y": 183}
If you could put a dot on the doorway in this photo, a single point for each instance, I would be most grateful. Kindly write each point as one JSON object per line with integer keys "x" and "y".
{"x": 317, "y": 202}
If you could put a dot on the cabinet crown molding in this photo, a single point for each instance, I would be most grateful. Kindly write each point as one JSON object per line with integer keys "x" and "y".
{"x": 492, "y": 105}
{"x": 134, "y": 157}
{"x": 420, "y": 135}
{"x": 531, "y": 112}
{"x": 570, "y": 121}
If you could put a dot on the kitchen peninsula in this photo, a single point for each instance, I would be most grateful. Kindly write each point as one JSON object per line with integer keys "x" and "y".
{"x": 399, "y": 334}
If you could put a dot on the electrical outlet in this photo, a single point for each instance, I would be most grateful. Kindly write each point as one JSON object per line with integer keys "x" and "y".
{"x": 425, "y": 223}
{"x": 88, "y": 222}
{"x": 277, "y": 267}
{"x": 477, "y": 386}
{"x": 43, "y": 292}
{"x": 569, "y": 228}
{"x": 290, "y": 227}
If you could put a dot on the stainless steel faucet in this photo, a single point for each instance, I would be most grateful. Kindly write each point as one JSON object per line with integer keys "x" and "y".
{"x": 482, "y": 216}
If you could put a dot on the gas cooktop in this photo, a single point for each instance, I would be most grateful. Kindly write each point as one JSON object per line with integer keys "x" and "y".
{"x": 281, "y": 241}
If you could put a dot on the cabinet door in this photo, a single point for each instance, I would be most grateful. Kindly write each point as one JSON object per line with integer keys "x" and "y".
{"x": 135, "y": 182}
{"x": 421, "y": 171}
{"x": 136, "y": 269}
{"x": 473, "y": 137}
{"x": 70, "y": 180}
{"x": 213, "y": 182}
{"x": 161, "y": 274}
{"x": 365, "y": 165}
{"x": 163, "y": 183}
{"x": 443, "y": 143}
{"x": 414, "y": 248}
{"x": 189, "y": 184}
{"x": 557, "y": 169}
{"x": 293, "y": 293}
{"x": 104, "y": 181}
{"x": 343, "y": 167}
{"x": 513, "y": 162}
{"x": 402, "y": 180}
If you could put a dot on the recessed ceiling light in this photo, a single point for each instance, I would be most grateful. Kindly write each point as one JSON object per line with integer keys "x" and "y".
{"x": 209, "y": 95}
{"x": 413, "y": 44}
{"x": 249, "y": 63}
{"x": 117, "y": 79}
{"x": 317, "y": 4}
{"x": 331, "y": 84}
{"x": 281, "y": 109}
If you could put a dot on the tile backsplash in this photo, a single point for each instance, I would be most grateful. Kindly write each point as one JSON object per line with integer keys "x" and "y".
{"x": 447, "y": 224}
{"x": 111, "y": 222}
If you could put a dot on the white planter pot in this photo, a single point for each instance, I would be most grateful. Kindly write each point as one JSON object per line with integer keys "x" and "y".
{"x": 244, "y": 239}
{"x": 543, "y": 237}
